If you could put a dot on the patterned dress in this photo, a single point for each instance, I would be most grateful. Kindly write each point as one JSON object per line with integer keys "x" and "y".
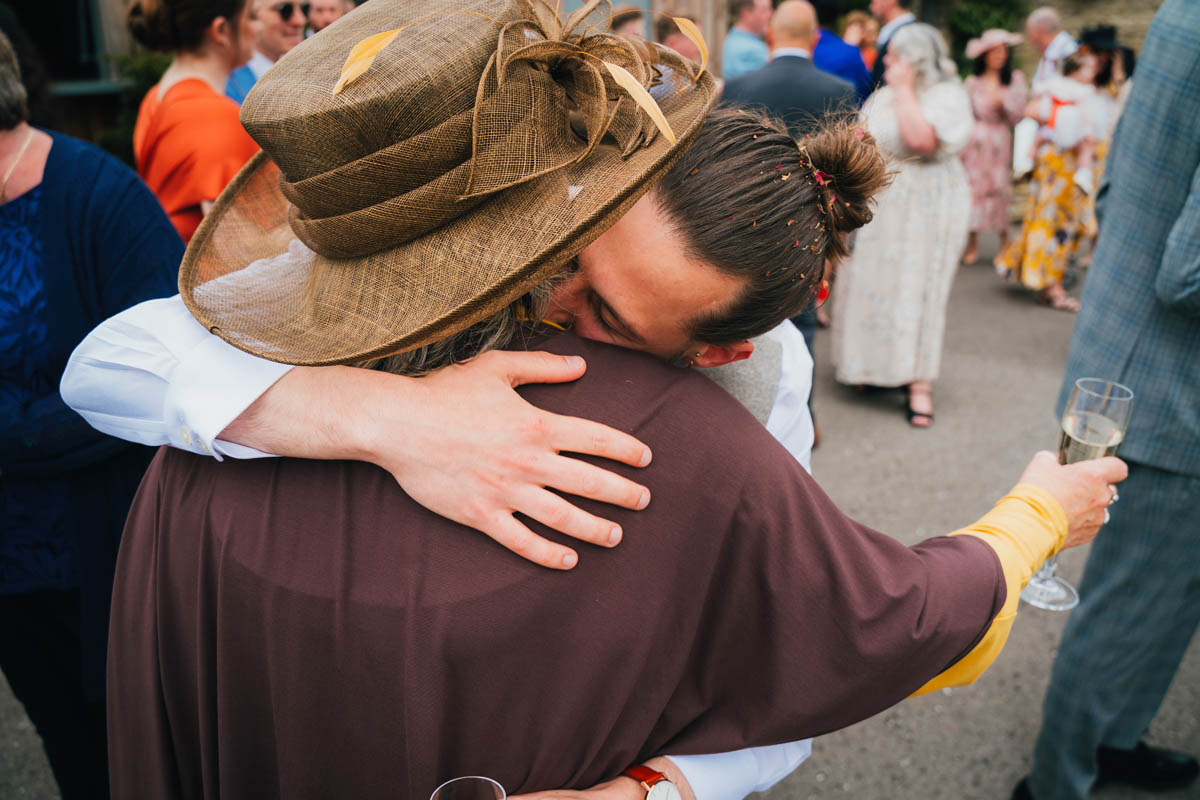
{"x": 891, "y": 296}
{"x": 988, "y": 154}
{"x": 1059, "y": 212}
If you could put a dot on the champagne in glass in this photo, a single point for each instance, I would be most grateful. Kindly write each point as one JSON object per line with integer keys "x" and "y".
{"x": 1093, "y": 426}
{"x": 1086, "y": 435}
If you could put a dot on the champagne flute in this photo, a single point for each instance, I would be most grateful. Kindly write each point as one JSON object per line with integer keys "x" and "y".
{"x": 473, "y": 787}
{"x": 1093, "y": 426}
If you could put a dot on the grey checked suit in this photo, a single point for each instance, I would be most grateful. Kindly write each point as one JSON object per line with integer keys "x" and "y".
{"x": 1140, "y": 325}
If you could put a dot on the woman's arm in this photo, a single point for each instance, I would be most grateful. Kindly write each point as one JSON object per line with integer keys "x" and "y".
{"x": 1052, "y": 508}
{"x": 915, "y": 131}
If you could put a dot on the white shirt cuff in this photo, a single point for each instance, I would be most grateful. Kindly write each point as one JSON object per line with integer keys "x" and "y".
{"x": 733, "y": 776}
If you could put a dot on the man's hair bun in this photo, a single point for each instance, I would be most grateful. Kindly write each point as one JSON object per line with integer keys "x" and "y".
{"x": 854, "y": 171}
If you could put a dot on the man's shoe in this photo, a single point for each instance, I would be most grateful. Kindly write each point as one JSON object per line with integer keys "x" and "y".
{"x": 1022, "y": 791}
{"x": 1147, "y": 768}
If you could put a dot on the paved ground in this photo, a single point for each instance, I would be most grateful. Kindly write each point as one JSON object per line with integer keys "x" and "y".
{"x": 994, "y": 405}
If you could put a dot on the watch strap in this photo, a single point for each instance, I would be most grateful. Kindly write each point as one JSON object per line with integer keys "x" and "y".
{"x": 645, "y": 775}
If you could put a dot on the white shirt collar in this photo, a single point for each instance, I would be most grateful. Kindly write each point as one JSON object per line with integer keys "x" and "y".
{"x": 259, "y": 64}
{"x": 886, "y": 31}
{"x": 790, "y": 51}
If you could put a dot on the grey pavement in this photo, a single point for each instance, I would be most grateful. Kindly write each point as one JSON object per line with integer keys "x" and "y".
{"x": 994, "y": 408}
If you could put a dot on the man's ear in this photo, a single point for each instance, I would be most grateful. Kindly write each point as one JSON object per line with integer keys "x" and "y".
{"x": 718, "y": 355}
{"x": 769, "y": 36}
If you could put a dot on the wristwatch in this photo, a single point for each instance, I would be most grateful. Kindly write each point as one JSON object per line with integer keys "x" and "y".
{"x": 655, "y": 783}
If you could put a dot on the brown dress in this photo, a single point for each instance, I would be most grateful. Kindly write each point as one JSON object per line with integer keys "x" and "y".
{"x": 303, "y": 629}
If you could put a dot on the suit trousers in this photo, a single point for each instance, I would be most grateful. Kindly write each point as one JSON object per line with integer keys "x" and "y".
{"x": 1139, "y": 607}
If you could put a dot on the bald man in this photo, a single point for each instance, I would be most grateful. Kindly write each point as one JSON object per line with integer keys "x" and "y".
{"x": 790, "y": 86}
{"x": 1044, "y": 31}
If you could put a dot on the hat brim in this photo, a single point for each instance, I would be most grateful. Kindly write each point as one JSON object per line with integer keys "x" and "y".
{"x": 320, "y": 311}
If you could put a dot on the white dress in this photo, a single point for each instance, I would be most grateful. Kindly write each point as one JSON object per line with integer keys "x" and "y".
{"x": 889, "y": 304}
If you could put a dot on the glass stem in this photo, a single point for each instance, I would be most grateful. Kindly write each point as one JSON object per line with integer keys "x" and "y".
{"x": 1047, "y": 570}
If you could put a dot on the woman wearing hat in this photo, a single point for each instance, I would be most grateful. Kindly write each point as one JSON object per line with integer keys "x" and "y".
{"x": 998, "y": 98}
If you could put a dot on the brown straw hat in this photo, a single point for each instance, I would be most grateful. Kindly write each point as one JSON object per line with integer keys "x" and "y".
{"x": 485, "y": 144}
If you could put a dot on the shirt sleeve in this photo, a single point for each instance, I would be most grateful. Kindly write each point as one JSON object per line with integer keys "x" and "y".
{"x": 790, "y": 421}
{"x": 1027, "y": 526}
{"x": 733, "y": 776}
{"x": 1178, "y": 281}
{"x": 152, "y": 374}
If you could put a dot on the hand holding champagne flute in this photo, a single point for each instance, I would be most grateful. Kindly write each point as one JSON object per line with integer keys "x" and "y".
{"x": 1093, "y": 426}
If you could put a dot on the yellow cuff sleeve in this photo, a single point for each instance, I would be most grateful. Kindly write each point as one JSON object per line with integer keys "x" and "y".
{"x": 1027, "y": 526}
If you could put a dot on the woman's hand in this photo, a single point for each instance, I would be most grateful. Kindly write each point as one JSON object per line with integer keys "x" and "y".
{"x": 460, "y": 442}
{"x": 1084, "y": 489}
{"x": 900, "y": 75}
{"x": 622, "y": 788}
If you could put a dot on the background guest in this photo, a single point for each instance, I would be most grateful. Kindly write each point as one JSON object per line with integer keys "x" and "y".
{"x": 861, "y": 30}
{"x": 321, "y": 13}
{"x": 629, "y": 20}
{"x": 744, "y": 48}
{"x": 1044, "y": 32}
{"x": 890, "y": 303}
{"x": 1100, "y": 42}
{"x": 835, "y": 56}
{"x": 892, "y": 15}
{"x": 188, "y": 141}
{"x": 281, "y": 27}
{"x": 667, "y": 32}
{"x": 81, "y": 238}
{"x": 1057, "y": 212}
{"x": 998, "y": 99}
{"x": 1140, "y": 595}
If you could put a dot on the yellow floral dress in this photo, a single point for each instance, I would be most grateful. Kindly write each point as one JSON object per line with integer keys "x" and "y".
{"x": 1038, "y": 256}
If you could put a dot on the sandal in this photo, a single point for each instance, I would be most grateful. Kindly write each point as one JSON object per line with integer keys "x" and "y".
{"x": 1057, "y": 298}
{"x": 918, "y": 419}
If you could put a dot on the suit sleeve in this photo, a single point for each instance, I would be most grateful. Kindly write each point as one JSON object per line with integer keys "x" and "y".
{"x": 1178, "y": 281}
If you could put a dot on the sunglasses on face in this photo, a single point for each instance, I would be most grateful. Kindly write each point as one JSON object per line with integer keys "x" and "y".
{"x": 286, "y": 10}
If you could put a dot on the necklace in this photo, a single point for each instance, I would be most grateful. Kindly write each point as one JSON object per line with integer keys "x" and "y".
{"x": 13, "y": 165}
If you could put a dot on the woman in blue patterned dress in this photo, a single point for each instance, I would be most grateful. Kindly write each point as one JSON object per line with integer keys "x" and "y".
{"x": 81, "y": 238}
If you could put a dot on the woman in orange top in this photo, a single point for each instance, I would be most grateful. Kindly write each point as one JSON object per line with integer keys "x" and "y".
{"x": 188, "y": 140}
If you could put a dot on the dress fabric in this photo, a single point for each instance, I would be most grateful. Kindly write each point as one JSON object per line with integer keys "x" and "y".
{"x": 189, "y": 144}
{"x": 890, "y": 302}
{"x": 238, "y": 654}
{"x": 1056, "y": 216}
{"x": 987, "y": 157}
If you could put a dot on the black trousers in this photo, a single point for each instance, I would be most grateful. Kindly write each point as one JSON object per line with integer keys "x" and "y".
{"x": 41, "y": 655}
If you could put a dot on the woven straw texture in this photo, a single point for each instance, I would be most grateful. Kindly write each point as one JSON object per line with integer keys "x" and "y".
{"x": 485, "y": 146}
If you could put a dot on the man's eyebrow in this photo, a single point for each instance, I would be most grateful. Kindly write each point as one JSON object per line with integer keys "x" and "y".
{"x": 615, "y": 319}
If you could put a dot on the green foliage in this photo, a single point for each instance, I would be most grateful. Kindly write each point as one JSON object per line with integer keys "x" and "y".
{"x": 139, "y": 71}
{"x": 967, "y": 19}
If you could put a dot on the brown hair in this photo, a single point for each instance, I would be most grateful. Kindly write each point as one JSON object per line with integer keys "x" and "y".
{"x": 736, "y": 7}
{"x": 751, "y": 201}
{"x": 178, "y": 25}
{"x": 856, "y": 17}
{"x": 665, "y": 26}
